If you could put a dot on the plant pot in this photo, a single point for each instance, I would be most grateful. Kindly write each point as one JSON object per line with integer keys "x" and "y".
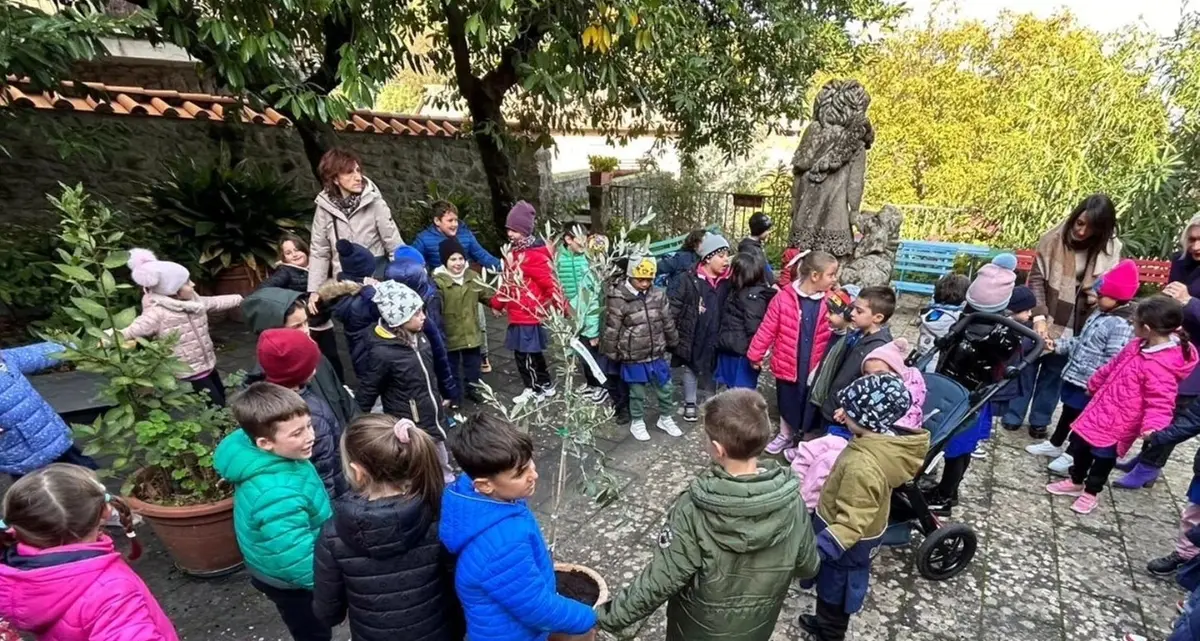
{"x": 601, "y": 178}
{"x": 236, "y": 279}
{"x": 582, "y": 584}
{"x": 199, "y": 538}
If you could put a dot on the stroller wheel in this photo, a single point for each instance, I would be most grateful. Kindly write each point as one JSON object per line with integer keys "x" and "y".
{"x": 946, "y": 552}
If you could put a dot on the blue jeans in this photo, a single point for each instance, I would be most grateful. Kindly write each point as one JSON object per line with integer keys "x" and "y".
{"x": 1043, "y": 395}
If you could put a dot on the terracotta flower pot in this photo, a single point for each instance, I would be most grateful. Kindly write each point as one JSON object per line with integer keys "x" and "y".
{"x": 599, "y": 178}
{"x": 566, "y": 569}
{"x": 199, "y": 538}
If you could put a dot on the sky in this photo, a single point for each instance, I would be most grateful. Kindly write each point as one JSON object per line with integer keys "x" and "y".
{"x": 1102, "y": 15}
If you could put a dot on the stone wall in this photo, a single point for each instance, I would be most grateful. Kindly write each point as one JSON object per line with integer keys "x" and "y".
{"x": 114, "y": 156}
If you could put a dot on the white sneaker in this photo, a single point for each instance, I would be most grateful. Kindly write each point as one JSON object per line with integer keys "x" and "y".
{"x": 638, "y": 429}
{"x": 980, "y": 451}
{"x": 546, "y": 392}
{"x": 667, "y": 424}
{"x": 1045, "y": 448}
{"x": 1061, "y": 466}
{"x": 599, "y": 396}
{"x": 525, "y": 396}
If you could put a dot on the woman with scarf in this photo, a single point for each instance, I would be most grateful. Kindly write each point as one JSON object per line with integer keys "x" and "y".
{"x": 1070, "y": 257}
{"x": 349, "y": 207}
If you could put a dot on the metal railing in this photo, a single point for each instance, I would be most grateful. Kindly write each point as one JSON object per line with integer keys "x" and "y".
{"x": 679, "y": 211}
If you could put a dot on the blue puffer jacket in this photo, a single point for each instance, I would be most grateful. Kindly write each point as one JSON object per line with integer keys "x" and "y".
{"x": 326, "y": 454}
{"x": 670, "y": 268}
{"x": 32, "y": 434}
{"x": 351, "y": 304}
{"x": 429, "y": 241}
{"x": 1104, "y": 335}
{"x": 504, "y": 576}
{"x": 418, "y": 280}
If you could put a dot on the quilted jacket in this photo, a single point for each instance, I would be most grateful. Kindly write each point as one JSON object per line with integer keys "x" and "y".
{"x": 32, "y": 434}
{"x": 1134, "y": 394}
{"x": 381, "y": 562}
{"x": 460, "y": 300}
{"x": 637, "y": 327}
{"x": 1104, "y": 335}
{"x": 725, "y": 559}
{"x": 779, "y": 334}
{"x": 401, "y": 374}
{"x": 813, "y": 463}
{"x": 370, "y": 225}
{"x": 504, "y": 575}
{"x": 326, "y": 455}
{"x": 696, "y": 306}
{"x": 279, "y": 506}
{"x": 417, "y": 279}
{"x": 851, "y": 367}
{"x": 351, "y": 305}
{"x": 529, "y": 287}
{"x": 580, "y": 288}
{"x": 162, "y": 315}
{"x": 744, "y": 313}
{"x": 79, "y": 592}
{"x": 429, "y": 243}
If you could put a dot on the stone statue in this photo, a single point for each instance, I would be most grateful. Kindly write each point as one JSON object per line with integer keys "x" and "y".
{"x": 876, "y": 252}
{"x": 829, "y": 169}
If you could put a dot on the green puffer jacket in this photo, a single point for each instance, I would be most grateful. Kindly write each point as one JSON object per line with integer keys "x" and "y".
{"x": 580, "y": 287}
{"x": 460, "y": 307}
{"x": 279, "y": 505}
{"x": 724, "y": 560}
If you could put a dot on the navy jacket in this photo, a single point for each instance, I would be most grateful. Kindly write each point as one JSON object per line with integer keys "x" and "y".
{"x": 1187, "y": 271}
{"x": 418, "y": 280}
{"x": 670, "y": 268}
{"x": 429, "y": 240}
{"x": 326, "y": 455}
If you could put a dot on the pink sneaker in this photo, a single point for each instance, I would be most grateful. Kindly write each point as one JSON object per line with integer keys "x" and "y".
{"x": 1085, "y": 504}
{"x": 777, "y": 444}
{"x": 1064, "y": 488}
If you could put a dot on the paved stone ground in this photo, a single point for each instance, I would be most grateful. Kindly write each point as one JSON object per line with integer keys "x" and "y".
{"x": 1042, "y": 573}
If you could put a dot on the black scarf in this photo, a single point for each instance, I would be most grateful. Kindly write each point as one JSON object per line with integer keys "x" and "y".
{"x": 348, "y": 204}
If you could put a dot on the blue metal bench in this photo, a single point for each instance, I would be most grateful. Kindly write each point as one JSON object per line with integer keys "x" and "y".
{"x": 928, "y": 257}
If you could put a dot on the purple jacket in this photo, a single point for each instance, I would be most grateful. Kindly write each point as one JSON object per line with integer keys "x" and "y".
{"x": 1187, "y": 271}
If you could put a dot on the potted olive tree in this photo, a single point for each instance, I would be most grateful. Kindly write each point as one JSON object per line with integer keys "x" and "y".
{"x": 158, "y": 437}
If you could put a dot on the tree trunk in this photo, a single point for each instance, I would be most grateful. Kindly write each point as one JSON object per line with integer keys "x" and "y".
{"x": 318, "y": 138}
{"x": 488, "y": 131}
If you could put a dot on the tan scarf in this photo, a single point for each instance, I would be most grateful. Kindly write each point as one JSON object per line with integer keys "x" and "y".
{"x": 1057, "y": 262}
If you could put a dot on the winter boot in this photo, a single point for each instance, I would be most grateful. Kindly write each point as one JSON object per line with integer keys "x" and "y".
{"x": 1127, "y": 466}
{"x": 1140, "y": 476}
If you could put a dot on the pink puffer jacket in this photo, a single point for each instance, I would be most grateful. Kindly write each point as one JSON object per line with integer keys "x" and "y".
{"x": 81, "y": 592}
{"x": 814, "y": 460}
{"x": 162, "y": 315}
{"x": 779, "y": 334}
{"x": 1134, "y": 394}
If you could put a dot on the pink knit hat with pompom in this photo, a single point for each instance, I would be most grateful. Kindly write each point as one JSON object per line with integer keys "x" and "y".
{"x": 159, "y": 276}
{"x": 892, "y": 353}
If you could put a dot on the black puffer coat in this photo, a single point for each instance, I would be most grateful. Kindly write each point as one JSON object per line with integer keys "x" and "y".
{"x": 381, "y": 561}
{"x": 326, "y": 454}
{"x": 637, "y": 328}
{"x": 400, "y": 371}
{"x": 296, "y": 279}
{"x": 743, "y": 313}
{"x": 696, "y": 308}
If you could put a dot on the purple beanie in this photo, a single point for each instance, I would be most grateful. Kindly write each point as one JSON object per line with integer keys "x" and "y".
{"x": 991, "y": 289}
{"x": 520, "y": 218}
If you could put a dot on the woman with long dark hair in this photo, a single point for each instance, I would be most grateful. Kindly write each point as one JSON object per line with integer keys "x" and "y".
{"x": 1070, "y": 257}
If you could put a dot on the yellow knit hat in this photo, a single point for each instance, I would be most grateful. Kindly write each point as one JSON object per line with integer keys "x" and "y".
{"x": 642, "y": 268}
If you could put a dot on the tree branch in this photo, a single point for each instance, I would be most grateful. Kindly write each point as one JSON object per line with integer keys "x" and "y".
{"x": 504, "y": 77}
{"x": 456, "y": 34}
{"x": 337, "y": 33}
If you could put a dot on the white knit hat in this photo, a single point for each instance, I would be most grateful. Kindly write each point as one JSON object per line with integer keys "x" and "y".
{"x": 159, "y": 276}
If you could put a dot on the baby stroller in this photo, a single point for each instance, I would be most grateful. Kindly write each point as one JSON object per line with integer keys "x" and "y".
{"x": 951, "y": 408}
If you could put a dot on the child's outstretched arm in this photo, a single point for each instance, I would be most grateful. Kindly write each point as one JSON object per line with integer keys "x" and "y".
{"x": 515, "y": 581}
{"x": 124, "y": 615}
{"x": 144, "y": 326}
{"x": 329, "y": 586}
{"x": 214, "y": 304}
{"x": 31, "y": 359}
{"x": 676, "y": 560}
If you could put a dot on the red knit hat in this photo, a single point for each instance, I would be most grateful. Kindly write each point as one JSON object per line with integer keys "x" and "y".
{"x": 288, "y": 357}
{"x": 1119, "y": 283}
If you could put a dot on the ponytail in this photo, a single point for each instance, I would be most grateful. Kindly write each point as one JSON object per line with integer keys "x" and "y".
{"x": 394, "y": 455}
{"x": 1185, "y": 342}
{"x": 121, "y": 508}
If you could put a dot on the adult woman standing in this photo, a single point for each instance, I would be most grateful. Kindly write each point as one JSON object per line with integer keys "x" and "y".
{"x": 1183, "y": 286}
{"x": 1069, "y": 259}
{"x": 350, "y": 207}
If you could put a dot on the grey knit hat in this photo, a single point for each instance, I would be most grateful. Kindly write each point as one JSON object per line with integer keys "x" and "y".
{"x": 712, "y": 243}
{"x": 397, "y": 302}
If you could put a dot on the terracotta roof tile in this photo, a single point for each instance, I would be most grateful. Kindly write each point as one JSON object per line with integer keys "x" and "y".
{"x": 139, "y": 101}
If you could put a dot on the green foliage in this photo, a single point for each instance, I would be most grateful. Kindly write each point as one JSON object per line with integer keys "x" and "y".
{"x": 221, "y": 214}
{"x": 603, "y": 164}
{"x": 403, "y": 93}
{"x": 27, "y": 264}
{"x": 158, "y": 435}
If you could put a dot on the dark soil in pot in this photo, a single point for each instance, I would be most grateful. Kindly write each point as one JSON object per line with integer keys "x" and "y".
{"x": 577, "y": 586}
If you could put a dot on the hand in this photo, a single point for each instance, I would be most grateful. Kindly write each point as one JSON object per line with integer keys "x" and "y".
{"x": 1042, "y": 328}
{"x": 594, "y": 342}
{"x": 1178, "y": 291}
{"x": 312, "y": 302}
{"x": 839, "y": 416}
{"x": 497, "y": 313}
{"x": 370, "y": 282}
{"x": 756, "y": 366}
{"x": 1049, "y": 344}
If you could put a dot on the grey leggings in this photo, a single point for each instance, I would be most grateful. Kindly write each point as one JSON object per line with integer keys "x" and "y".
{"x": 690, "y": 386}
{"x": 481, "y": 318}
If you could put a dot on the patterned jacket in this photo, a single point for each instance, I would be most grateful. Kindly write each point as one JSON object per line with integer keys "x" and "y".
{"x": 638, "y": 328}
{"x": 1104, "y": 335}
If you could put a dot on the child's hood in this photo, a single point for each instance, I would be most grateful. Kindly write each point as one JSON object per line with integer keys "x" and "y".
{"x": 747, "y": 513}
{"x": 37, "y": 587}
{"x": 1173, "y": 360}
{"x": 238, "y": 460}
{"x": 445, "y": 278}
{"x": 383, "y": 528}
{"x": 413, "y": 275}
{"x": 466, "y": 514}
{"x": 267, "y": 308}
{"x": 899, "y": 457}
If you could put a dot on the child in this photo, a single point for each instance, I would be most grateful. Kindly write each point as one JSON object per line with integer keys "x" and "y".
{"x": 289, "y": 358}
{"x": 408, "y": 268}
{"x": 461, "y": 291}
{"x": 853, "y": 511}
{"x": 279, "y": 502}
{"x": 32, "y": 434}
{"x": 1105, "y": 333}
{"x": 401, "y": 370}
{"x": 733, "y": 541}
{"x": 840, "y": 303}
{"x": 503, "y": 574}
{"x": 949, "y": 296}
{"x": 637, "y": 334}
{"x": 760, "y": 228}
{"x": 795, "y": 328}
{"x": 1020, "y": 309}
{"x": 870, "y": 314}
{"x": 889, "y": 359}
{"x": 379, "y": 558}
{"x": 696, "y": 307}
{"x": 292, "y": 273}
{"x": 349, "y": 296}
{"x": 61, "y": 579}
{"x": 272, "y": 307}
{"x": 744, "y": 313}
{"x": 170, "y": 306}
{"x": 528, "y": 291}
{"x": 1132, "y": 395}
{"x": 579, "y": 286}
{"x": 671, "y": 268}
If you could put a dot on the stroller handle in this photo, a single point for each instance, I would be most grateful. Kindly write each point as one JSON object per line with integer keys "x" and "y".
{"x": 1039, "y": 344}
